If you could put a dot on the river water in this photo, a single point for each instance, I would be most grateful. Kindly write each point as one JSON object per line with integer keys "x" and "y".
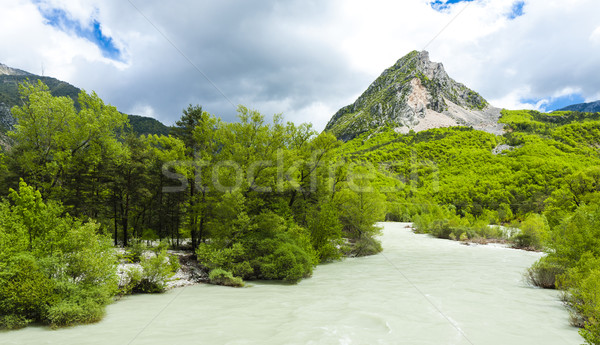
{"x": 420, "y": 290}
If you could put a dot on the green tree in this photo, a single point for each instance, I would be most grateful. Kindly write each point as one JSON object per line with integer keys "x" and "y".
{"x": 360, "y": 206}
{"x": 62, "y": 151}
{"x": 54, "y": 269}
{"x": 197, "y": 130}
{"x": 534, "y": 232}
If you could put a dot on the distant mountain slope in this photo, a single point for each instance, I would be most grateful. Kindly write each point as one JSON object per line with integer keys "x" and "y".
{"x": 10, "y": 78}
{"x": 414, "y": 94}
{"x": 147, "y": 125}
{"x": 9, "y": 91}
{"x": 592, "y": 107}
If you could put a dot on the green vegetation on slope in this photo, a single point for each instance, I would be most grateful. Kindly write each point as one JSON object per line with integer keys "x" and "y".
{"x": 385, "y": 102}
{"x": 9, "y": 88}
{"x": 537, "y": 187}
{"x": 142, "y": 125}
{"x": 10, "y": 97}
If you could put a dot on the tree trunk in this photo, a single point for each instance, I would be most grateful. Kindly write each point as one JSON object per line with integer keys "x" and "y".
{"x": 125, "y": 220}
{"x": 193, "y": 218}
{"x": 116, "y": 220}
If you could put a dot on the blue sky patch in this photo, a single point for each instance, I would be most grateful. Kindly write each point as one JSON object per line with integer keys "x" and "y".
{"x": 60, "y": 19}
{"x": 516, "y": 10}
{"x": 555, "y": 103}
{"x": 441, "y": 5}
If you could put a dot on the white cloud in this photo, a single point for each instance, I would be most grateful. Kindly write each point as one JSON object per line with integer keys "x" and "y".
{"x": 566, "y": 91}
{"x": 145, "y": 109}
{"x": 306, "y": 58}
{"x": 595, "y": 36}
{"x": 593, "y": 97}
{"x": 513, "y": 100}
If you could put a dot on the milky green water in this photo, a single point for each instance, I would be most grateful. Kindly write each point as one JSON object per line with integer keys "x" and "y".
{"x": 421, "y": 290}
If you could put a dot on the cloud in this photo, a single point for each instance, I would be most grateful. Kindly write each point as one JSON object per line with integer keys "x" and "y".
{"x": 90, "y": 30}
{"x": 305, "y": 59}
{"x": 443, "y": 5}
{"x": 557, "y": 101}
{"x": 514, "y": 100}
{"x": 595, "y": 36}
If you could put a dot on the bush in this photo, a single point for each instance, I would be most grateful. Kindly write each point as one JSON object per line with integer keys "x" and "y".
{"x": 133, "y": 277}
{"x": 366, "y": 246}
{"x": 232, "y": 259}
{"x": 74, "y": 311}
{"x": 226, "y": 278}
{"x": 53, "y": 268}
{"x": 136, "y": 252}
{"x": 12, "y": 321}
{"x": 534, "y": 233}
{"x": 544, "y": 273}
{"x": 572, "y": 265}
{"x": 325, "y": 232}
{"x": 289, "y": 263}
{"x": 153, "y": 275}
{"x": 588, "y": 292}
{"x": 25, "y": 292}
{"x": 270, "y": 248}
{"x": 583, "y": 300}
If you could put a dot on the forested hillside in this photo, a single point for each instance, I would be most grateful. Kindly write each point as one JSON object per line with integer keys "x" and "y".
{"x": 536, "y": 187}
{"x": 9, "y": 97}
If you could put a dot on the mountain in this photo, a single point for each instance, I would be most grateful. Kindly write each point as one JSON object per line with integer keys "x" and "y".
{"x": 592, "y": 107}
{"x": 143, "y": 125}
{"x": 10, "y": 78}
{"x": 5, "y": 70}
{"x": 414, "y": 94}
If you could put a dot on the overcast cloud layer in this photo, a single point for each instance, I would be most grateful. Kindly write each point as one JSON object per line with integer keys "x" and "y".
{"x": 305, "y": 59}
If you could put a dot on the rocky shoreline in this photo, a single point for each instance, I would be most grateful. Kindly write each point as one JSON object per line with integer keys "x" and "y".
{"x": 189, "y": 272}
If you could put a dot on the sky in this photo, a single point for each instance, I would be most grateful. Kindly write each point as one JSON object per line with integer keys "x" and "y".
{"x": 303, "y": 58}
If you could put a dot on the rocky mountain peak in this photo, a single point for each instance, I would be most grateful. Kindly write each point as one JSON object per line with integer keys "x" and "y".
{"x": 430, "y": 69}
{"x": 415, "y": 93}
{"x": 5, "y": 70}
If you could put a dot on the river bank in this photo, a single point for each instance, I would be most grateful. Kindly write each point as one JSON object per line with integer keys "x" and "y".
{"x": 419, "y": 290}
{"x": 189, "y": 272}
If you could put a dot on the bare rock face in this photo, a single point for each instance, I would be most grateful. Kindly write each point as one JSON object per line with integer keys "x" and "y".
{"x": 414, "y": 94}
{"x": 5, "y": 70}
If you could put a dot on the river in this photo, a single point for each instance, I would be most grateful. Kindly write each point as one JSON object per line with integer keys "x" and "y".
{"x": 420, "y": 290}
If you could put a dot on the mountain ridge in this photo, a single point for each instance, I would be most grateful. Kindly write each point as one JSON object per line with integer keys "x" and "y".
{"x": 6, "y": 70}
{"x": 10, "y": 78}
{"x": 590, "y": 107}
{"x": 414, "y": 94}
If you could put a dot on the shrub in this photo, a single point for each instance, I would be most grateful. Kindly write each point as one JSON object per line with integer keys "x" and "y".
{"x": 585, "y": 299}
{"x": 226, "y": 278}
{"x": 75, "y": 311}
{"x": 232, "y": 259}
{"x": 533, "y": 234}
{"x": 544, "y": 273}
{"x": 25, "y": 291}
{"x": 270, "y": 248}
{"x": 154, "y": 273}
{"x": 133, "y": 277}
{"x": 12, "y": 321}
{"x": 53, "y": 268}
{"x": 366, "y": 246}
{"x": 289, "y": 263}
{"x": 325, "y": 232}
{"x": 136, "y": 252}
